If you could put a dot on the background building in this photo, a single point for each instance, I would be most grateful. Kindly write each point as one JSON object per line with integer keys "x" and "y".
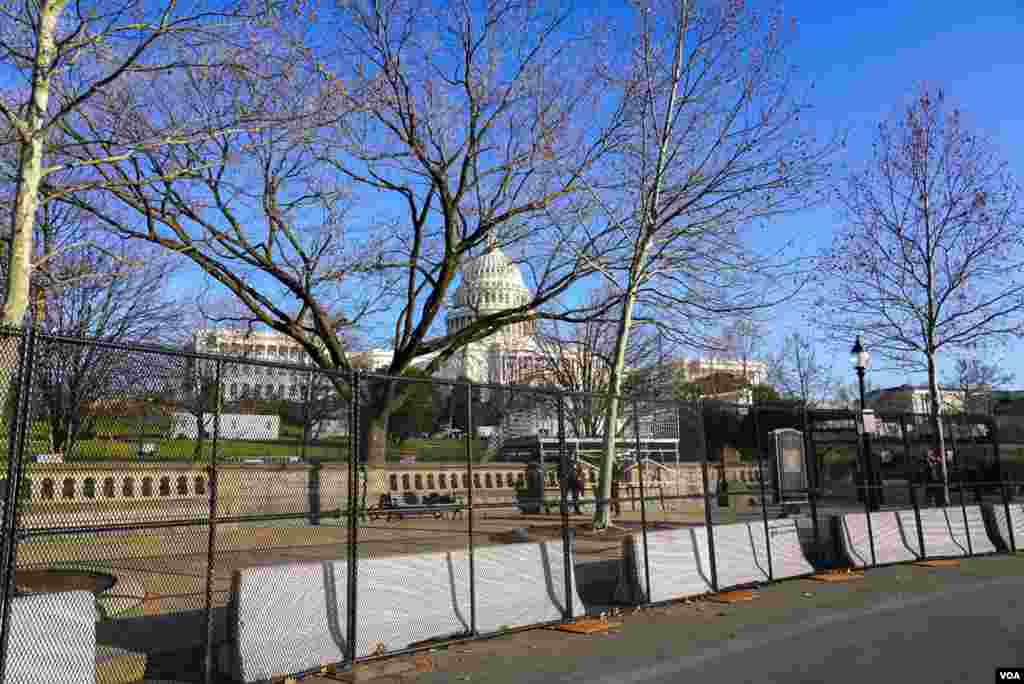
{"x": 753, "y": 372}
{"x": 251, "y": 381}
{"x": 912, "y": 399}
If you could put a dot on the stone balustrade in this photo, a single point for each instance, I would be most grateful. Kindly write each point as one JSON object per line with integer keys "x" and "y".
{"x": 175, "y": 490}
{"x": 47, "y": 484}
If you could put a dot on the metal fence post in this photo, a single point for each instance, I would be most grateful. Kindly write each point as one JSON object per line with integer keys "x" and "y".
{"x": 994, "y": 430}
{"x": 764, "y": 500}
{"x": 567, "y": 540}
{"x": 643, "y": 496}
{"x": 811, "y": 468}
{"x": 211, "y": 526}
{"x": 708, "y": 526}
{"x": 913, "y": 486}
{"x": 353, "y": 523}
{"x": 15, "y": 463}
{"x": 469, "y": 501}
{"x": 866, "y": 479}
{"x": 306, "y": 391}
{"x": 958, "y": 463}
{"x": 314, "y": 502}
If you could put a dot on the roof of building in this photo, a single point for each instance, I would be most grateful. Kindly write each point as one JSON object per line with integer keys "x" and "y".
{"x": 875, "y": 393}
{"x": 489, "y": 282}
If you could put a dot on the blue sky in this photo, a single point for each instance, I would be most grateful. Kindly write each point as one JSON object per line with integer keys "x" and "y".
{"x": 865, "y": 59}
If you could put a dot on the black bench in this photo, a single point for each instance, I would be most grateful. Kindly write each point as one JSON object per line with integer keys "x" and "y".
{"x": 433, "y": 504}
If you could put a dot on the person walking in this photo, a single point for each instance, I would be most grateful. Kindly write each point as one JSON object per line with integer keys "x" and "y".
{"x": 578, "y": 486}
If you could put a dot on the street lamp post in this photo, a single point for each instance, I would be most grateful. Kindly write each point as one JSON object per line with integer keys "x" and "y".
{"x": 861, "y": 359}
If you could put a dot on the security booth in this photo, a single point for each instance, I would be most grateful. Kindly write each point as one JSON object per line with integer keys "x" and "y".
{"x": 788, "y": 470}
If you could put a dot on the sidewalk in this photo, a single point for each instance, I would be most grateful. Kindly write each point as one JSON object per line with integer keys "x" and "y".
{"x": 648, "y": 636}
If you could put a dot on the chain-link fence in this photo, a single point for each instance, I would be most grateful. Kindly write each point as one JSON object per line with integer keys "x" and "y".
{"x": 216, "y": 518}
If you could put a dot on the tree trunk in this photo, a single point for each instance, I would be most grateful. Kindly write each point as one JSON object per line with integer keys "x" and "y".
{"x": 940, "y": 441}
{"x": 197, "y": 452}
{"x": 30, "y": 170}
{"x": 19, "y": 269}
{"x": 373, "y": 445}
{"x": 26, "y": 200}
{"x": 602, "y": 510}
{"x": 649, "y": 207}
{"x": 58, "y": 435}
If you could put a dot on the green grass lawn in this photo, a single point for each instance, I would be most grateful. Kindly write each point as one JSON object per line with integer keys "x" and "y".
{"x": 330, "y": 449}
{"x": 437, "y": 450}
{"x": 126, "y": 445}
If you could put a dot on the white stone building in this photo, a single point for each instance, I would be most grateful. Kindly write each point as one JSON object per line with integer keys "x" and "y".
{"x": 491, "y": 283}
{"x": 755, "y": 372}
{"x": 248, "y": 380}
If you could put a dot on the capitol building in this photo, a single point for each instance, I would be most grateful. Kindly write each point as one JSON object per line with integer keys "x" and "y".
{"x": 489, "y": 283}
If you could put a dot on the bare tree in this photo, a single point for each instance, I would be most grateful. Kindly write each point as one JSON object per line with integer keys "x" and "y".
{"x": 742, "y": 342}
{"x": 798, "y": 373}
{"x": 929, "y": 258}
{"x": 87, "y": 284}
{"x": 199, "y": 393}
{"x": 713, "y": 143}
{"x": 58, "y": 58}
{"x": 93, "y": 295}
{"x": 63, "y": 55}
{"x": 847, "y": 395}
{"x": 975, "y": 379}
{"x": 578, "y": 358}
{"x": 470, "y": 120}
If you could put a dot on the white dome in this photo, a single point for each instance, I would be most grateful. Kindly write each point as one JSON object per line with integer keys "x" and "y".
{"x": 490, "y": 282}
{"x": 493, "y": 268}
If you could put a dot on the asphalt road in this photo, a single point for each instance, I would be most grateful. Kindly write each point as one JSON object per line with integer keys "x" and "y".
{"x": 960, "y": 634}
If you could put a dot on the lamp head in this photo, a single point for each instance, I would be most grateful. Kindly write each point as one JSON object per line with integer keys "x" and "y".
{"x": 859, "y": 356}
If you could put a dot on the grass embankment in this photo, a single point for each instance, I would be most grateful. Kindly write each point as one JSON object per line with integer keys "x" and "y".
{"x": 125, "y": 446}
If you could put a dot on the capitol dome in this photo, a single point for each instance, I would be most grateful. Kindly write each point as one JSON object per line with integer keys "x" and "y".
{"x": 490, "y": 282}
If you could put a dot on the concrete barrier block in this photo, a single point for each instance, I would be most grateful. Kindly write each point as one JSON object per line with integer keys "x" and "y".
{"x": 949, "y": 531}
{"x": 518, "y": 585}
{"x": 787, "y": 553}
{"x": 679, "y": 566}
{"x": 284, "y": 619}
{"x": 736, "y": 560}
{"x": 52, "y": 639}
{"x": 999, "y": 525}
{"x": 938, "y": 537}
{"x": 291, "y": 618}
{"x": 892, "y": 532}
{"x": 406, "y": 599}
{"x": 968, "y": 530}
